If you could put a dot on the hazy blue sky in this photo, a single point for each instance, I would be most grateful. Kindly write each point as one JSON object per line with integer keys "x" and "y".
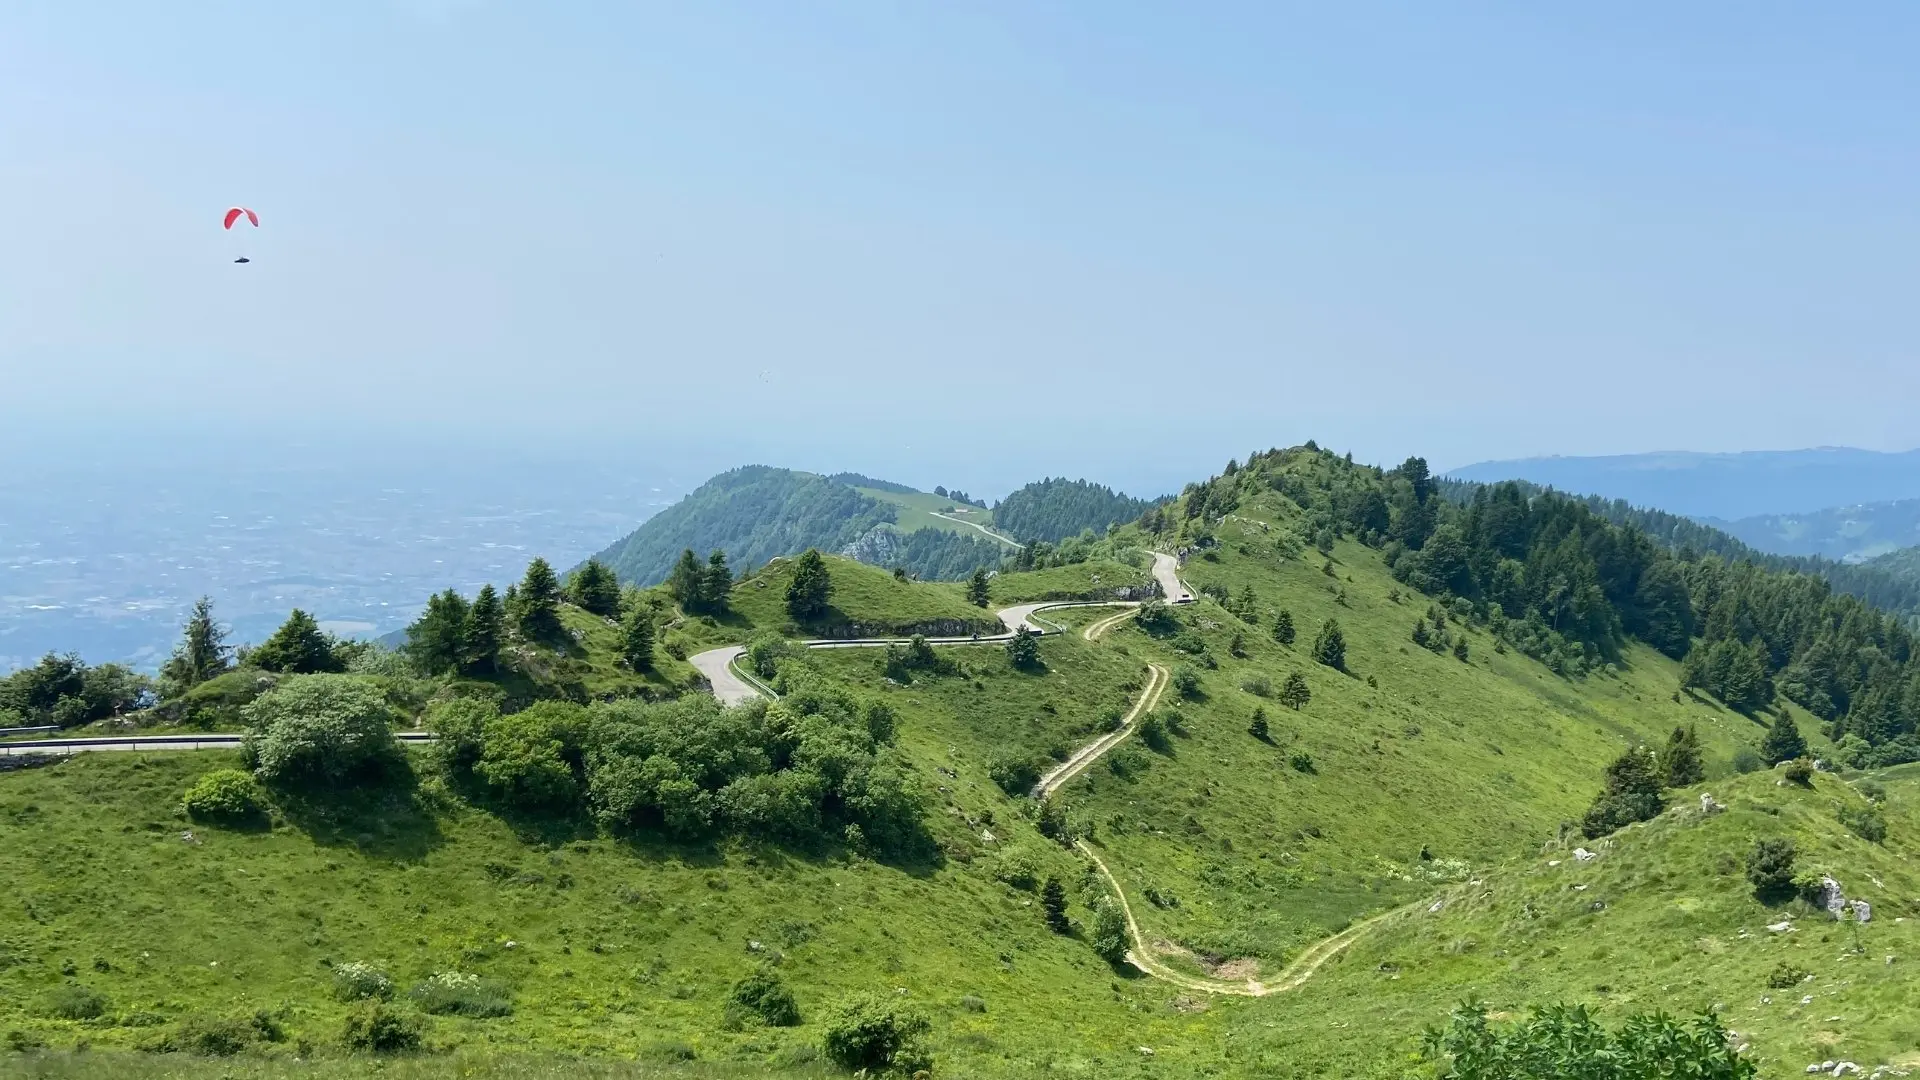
{"x": 887, "y": 237}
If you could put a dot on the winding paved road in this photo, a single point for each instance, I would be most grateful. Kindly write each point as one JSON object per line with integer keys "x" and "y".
{"x": 732, "y": 688}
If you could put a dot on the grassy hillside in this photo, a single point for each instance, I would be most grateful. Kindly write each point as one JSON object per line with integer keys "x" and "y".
{"x": 1409, "y": 776}
{"x": 756, "y": 514}
{"x": 753, "y": 513}
{"x": 915, "y": 510}
{"x": 867, "y": 602}
{"x": 1664, "y": 917}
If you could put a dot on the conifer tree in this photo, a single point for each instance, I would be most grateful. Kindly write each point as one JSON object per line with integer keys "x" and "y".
{"x": 539, "y": 615}
{"x": 1632, "y": 793}
{"x": 594, "y": 588}
{"x": 480, "y": 633}
{"x": 811, "y": 588}
{"x": 636, "y": 638}
{"x": 716, "y": 582}
{"x": 1053, "y": 898}
{"x": 1330, "y": 646}
{"x": 686, "y": 583}
{"x": 202, "y": 652}
{"x": 1681, "y": 761}
{"x": 1783, "y": 741}
{"x": 297, "y": 648}
{"x": 1257, "y": 727}
{"x": 434, "y": 640}
{"x": 1024, "y": 649}
{"x": 1295, "y": 693}
{"x": 1283, "y": 627}
{"x": 977, "y": 588}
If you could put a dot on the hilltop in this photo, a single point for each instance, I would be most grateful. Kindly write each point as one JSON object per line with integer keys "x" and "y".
{"x": 757, "y": 513}
{"x": 1435, "y": 709}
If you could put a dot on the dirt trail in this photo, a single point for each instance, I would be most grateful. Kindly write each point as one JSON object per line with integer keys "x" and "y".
{"x": 1007, "y": 540}
{"x": 1157, "y": 677}
{"x": 1166, "y": 571}
{"x": 1290, "y": 978}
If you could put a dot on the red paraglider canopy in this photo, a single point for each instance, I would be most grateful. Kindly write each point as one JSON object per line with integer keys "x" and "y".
{"x": 233, "y": 215}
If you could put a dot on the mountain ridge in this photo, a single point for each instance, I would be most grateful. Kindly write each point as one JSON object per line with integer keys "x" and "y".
{"x": 1729, "y": 486}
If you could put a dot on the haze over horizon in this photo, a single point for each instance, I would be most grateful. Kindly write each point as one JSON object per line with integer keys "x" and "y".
{"x": 1470, "y": 235}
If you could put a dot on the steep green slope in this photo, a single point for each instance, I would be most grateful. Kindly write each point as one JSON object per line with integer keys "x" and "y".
{"x": 1663, "y": 917}
{"x": 1890, "y": 583}
{"x": 754, "y": 513}
{"x": 758, "y": 513}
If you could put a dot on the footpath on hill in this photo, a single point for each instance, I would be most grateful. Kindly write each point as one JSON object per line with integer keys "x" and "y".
{"x": 732, "y": 686}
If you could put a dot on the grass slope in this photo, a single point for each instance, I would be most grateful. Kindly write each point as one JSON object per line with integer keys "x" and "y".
{"x": 867, "y": 601}
{"x": 915, "y": 510}
{"x": 1664, "y": 918}
{"x": 1234, "y": 860}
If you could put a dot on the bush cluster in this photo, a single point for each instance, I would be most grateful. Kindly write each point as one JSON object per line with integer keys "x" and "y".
{"x": 805, "y": 768}
{"x": 224, "y": 795}
{"x": 876, "y": 1033}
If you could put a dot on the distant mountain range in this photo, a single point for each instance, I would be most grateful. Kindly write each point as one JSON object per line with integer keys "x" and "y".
{"x": 1846, "y": 533}
{"x": 1725, "y": 487}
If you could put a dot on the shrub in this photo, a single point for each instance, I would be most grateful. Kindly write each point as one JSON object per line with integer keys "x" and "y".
{"x": 1874, "y": 790}
{"x": 1785, "y": 975}
{"x": 973, "y": 1004}
{"x": 224, "y": 795}
{"x": 1770, "y": 865}
{"x": 1109, "y": 937}
{"x": 1186, "y": 681}
{"x": 530, "y": 758}
{"x": 1302, "y": 762}
{"x": 1015, "y": 773}
{"x": 1867, "y": 823}
{"x": 1017, "y": 867}
{"x": 766, "y": 651}
{"x": 354, "y": 981}
{"x": 459, "y": 727}
{"x": 324, "y": 728}
{"x": 20, "y": 1042}
{"x": 1748, "y": 760}
{"x": 457, "y": 993}
{"x": 1153, "y": 732}
{"x": 71, "y": 1001}
{"x": 1567, "y": 1041}
{"x": 380, "y": 1029}
{"x": 1257, "y": 685}
{"x": 878, "y": 1033}
{"x": 1799, "y": 771}
{"x": 761, "y": 997}
{"x": 213, "y": 1036}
